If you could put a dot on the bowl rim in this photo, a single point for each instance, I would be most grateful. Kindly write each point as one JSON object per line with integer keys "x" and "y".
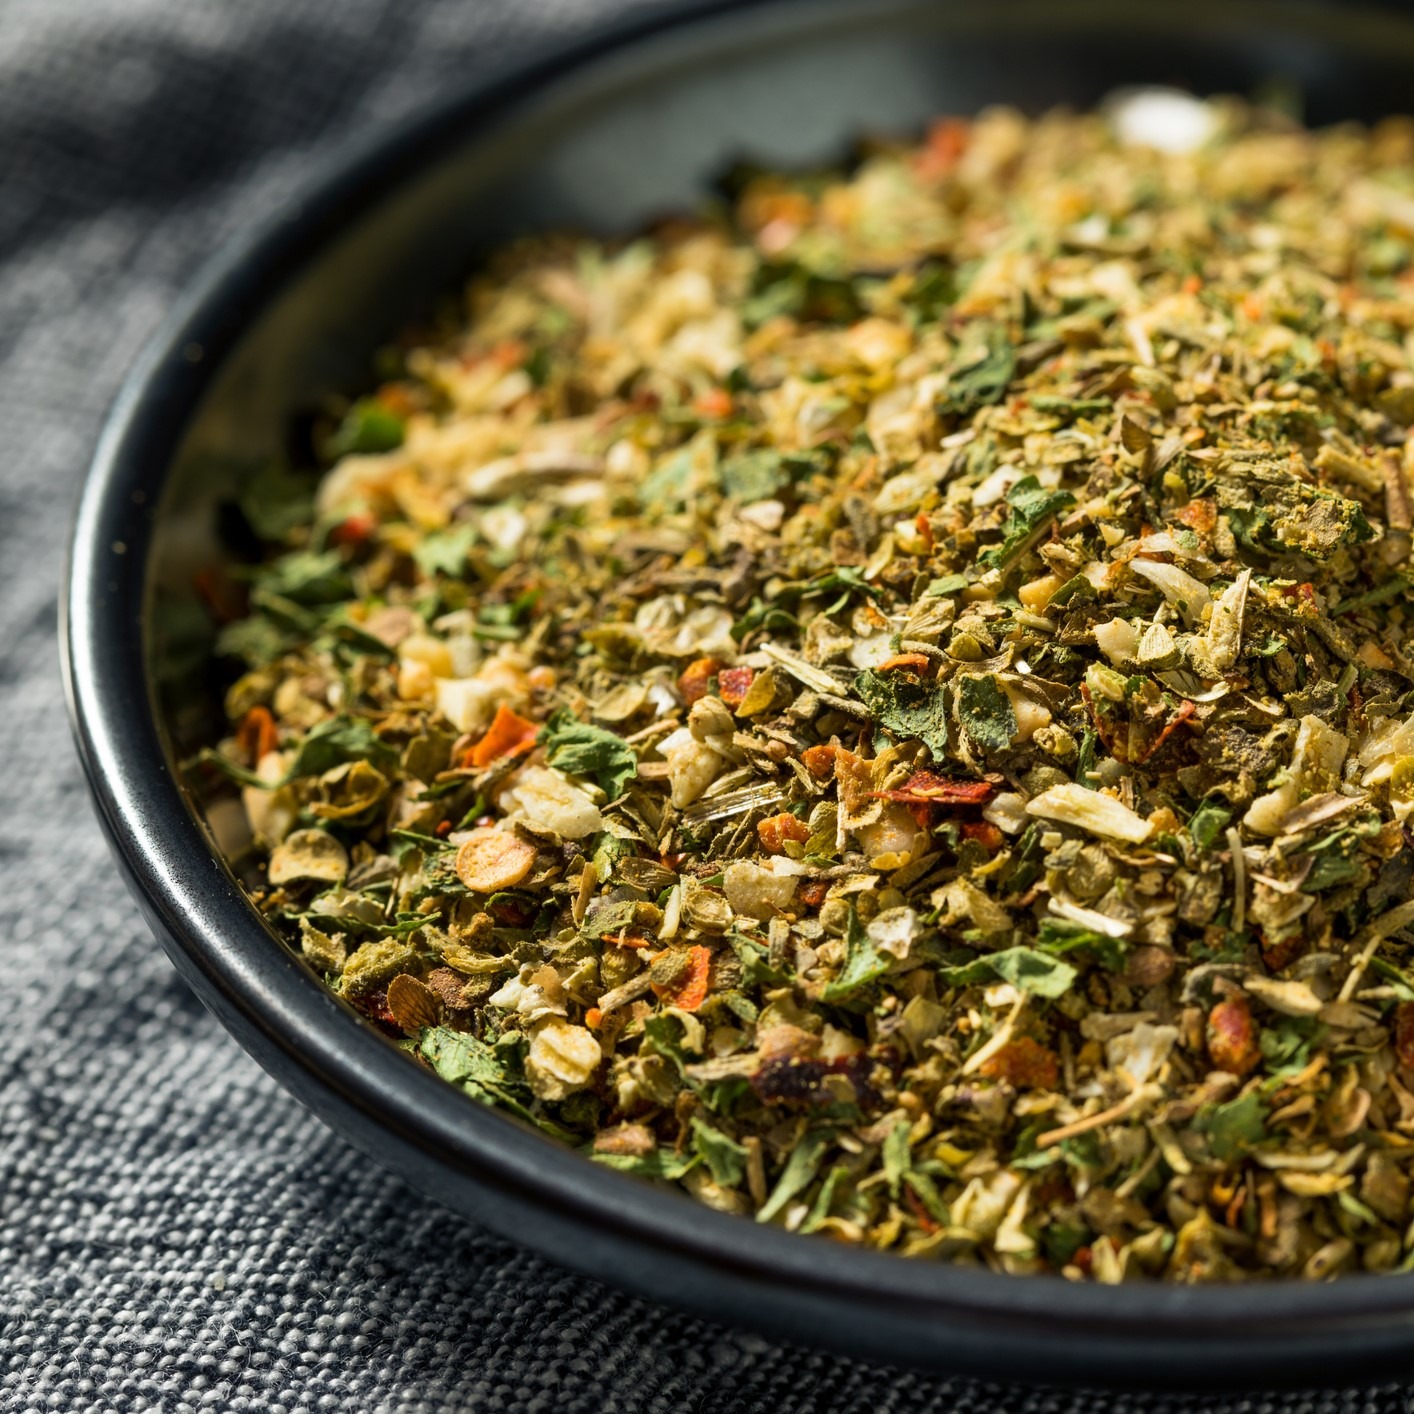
{"x": 284, "y": 1015}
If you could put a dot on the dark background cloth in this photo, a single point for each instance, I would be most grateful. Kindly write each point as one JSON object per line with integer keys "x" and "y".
{"x": 175, "y": 1232}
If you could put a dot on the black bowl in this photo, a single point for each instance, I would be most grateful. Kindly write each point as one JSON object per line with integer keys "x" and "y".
{"x": 605, "y": 134}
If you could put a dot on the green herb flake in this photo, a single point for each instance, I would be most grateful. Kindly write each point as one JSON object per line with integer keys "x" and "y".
{"x": 1234, "y": 1129}
{"x": 1032, "y": 507}
{"x": 579, "y": 749}
{"x": 864, "y": 963}
{"x": 984, "y": 376}
{"x": 911, "y": 708}
{"x": 986, "y": 713}
{"x": 368, "y": 428}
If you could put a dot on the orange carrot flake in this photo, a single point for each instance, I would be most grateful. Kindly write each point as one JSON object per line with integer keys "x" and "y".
{"x": 490, "y": 860}
{"x": 777, "y": 829}
{"x": 509, "y": 734}
{"x": 715, "y": 402}
{"x": 984, "y": 832}
{"x": 819, "y": 761}
{"x": 693, "y": 680}
{"x": 1025, "y": 1063}
{"x": 629, "y": 940}
{"x": 914, "y": 662}
{"x": 688, "y": 990}
{"x": 1200, "y": 515}
{"x": 257, "y": 734}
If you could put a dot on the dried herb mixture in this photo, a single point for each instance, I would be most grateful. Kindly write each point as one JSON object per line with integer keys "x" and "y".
{"x": 891, "y": 705}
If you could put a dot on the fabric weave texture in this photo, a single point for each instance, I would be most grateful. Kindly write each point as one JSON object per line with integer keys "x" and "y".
{"x": 176, "y": 1233}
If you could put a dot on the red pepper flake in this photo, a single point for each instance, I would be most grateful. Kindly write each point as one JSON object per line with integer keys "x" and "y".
{"x": 1192, "y": 284}
{"x": 443, "y": 829}
{"x": 688, "y": 990}
{"x": 1103, "y": 728}
{"x": 1187, "y": 710}
{"x": 1232, "y": 1037}
{"x": 913, "y": 662}
{"x": 353, "y": 530}
{"x": 813, "y": 893}
{"x": 820, "y": 761}
{"x": 733, "y": 685}
{"x": 374, "y": 1005}
{"x": 257, "y": 735}
{"x": 1234, "y": 1208}
{"x": 926, "y": 1220}
{"x": 1283, "y": 953}
{"x": 932, "y": 788}
{"x": 1025, "y": 1063}
{"x": 777, "y": 829}
{"x": 511, "y": 912}
{"x": 508, "y": 735}
{"x": 1305, "y": 596}
{"x": 693, "y": 680}
{"x": 924, "y": 527}
{"x": 593, "y": 1017}
{"x": 1404, "y": 1034}
{"x": 984, "y": 832}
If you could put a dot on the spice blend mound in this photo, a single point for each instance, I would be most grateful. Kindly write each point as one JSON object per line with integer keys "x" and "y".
{"x": 889, "y": 705}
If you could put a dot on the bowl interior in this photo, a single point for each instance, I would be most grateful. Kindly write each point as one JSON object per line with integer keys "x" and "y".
{"x": 643, "y": 132}
{"x": 625, "y": 134}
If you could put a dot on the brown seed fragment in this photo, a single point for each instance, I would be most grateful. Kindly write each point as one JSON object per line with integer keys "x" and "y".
{"x": 1404, "y": 1034}
{"x": 1149, "y": 965}
{"x": 492, "y": 859}
{"x": 413, "y": 1004}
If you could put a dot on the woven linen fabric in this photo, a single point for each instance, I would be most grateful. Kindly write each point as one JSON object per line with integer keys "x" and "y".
{"x": 175, "y": 1232}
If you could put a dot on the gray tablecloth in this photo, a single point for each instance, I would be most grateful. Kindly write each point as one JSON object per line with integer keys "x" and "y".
{"x": 175, "y": 1233}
